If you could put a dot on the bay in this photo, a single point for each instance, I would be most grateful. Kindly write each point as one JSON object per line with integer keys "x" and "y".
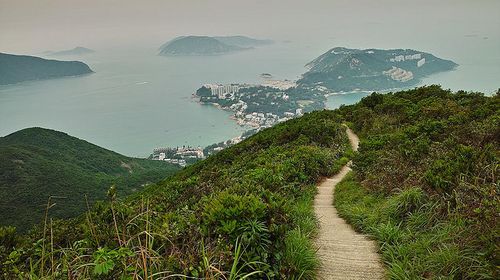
{"x": 137, "y": 101}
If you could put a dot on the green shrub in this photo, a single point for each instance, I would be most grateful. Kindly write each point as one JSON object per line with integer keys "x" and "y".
{"x": 299, "y": 257}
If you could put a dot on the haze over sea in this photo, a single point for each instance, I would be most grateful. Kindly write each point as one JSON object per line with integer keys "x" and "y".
{"x": 136, "y": 101}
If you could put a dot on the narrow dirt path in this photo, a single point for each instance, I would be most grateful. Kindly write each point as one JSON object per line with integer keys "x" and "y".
{"x": 344, "y": 253}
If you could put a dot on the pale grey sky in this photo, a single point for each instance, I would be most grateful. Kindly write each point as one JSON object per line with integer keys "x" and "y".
{"x": 30, "y": 26}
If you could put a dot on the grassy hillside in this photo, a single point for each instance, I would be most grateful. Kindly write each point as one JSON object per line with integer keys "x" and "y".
{"x": 36, "y": 163}
{"x": 426, "y": 182}
{"x": 247, "y": 209}
{"x": 425, "y": 187}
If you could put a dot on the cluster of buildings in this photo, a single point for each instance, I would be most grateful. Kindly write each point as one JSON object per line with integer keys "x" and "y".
{"x": 228, "y": 91}
{"x": 179, "y": 155}
{"x": 223, "y": 91}
{"x": 399, "y": 58}
{"x": 417, "y": 56}
{"x": 279, "y": 84}
{"x": 221, "y": 146}
{"x": 399, "y": 74}
{"x": 240, "y": 101}
{"x": 263, "y": 120}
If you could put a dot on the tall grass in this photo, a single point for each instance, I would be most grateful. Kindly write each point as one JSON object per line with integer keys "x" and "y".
{"x": 414, "y": 241}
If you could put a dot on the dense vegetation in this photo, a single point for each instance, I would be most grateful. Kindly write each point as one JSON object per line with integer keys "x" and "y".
{"x": 426, "y": 182}
{"x": 425, "y": 186}
{"x": 246, "y": 210}
{"x": 343, "y": 69}
{"x": 263, "y": 99}
{"x": 37, "y": 163}
{"x": 205, "y": 45}
{"x": 20, "y": 68}
{"x": 197, "y": 45}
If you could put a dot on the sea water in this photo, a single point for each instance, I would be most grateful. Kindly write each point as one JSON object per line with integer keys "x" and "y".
{"x": 137, "y": 101}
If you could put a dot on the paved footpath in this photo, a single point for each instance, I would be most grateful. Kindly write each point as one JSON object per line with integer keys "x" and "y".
{"x": 344, "y": 253}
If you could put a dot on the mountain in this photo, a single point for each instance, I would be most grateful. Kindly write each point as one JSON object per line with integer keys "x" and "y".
{"x": 20, "y": 68}
{"x": 205, "y": 45}
{"x": 36, "y": 163}
{"x": 243, "y": 41}
{"x": 197, "y": 45}
{"x": 342, "y": 69}
{"x": 74, "y": 51}
{"x": 424, "y": 186}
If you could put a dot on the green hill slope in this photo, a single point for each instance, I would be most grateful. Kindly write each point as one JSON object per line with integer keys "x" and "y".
{"x": 257, "y": 194}
{"x": 425, "y": 187}
{"x": 20, "y": 68}
{"x": 426, "y": 182}
{"x": 343, "y": 69}
{"x": 36, "y": 163}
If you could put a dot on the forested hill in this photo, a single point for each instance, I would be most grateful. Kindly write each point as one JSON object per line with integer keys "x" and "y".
{"x": 207, "y": 45}
{"x": 249, "y": 205}
{"x": 20, "y": 68}
{"x": 36, "y": 163}
{"x": 197, "y": 45}
{"x": 343, "y": 69}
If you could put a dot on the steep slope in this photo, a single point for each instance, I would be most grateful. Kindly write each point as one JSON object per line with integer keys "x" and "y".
{"x": 197, "y": 45}
{"x": 250, "y": 204}
{"x": 36, "y": 163}
{"x": 20, "y": 68}
{"x": 425, "y": 182}
{"x": 342, "y": 69}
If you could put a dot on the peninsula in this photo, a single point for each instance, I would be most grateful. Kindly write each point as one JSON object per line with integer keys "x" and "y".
{"x": 20, "y": 68}
{"x": 262, "y": 105}
{"x": 342, "y": 69}
{"x": 338, "y": 70}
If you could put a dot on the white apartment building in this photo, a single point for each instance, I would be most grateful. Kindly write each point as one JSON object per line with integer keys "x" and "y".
{"x": 221, "y": 91}
{"x": 400, "y": 58}
{"x": 421, "y": 62}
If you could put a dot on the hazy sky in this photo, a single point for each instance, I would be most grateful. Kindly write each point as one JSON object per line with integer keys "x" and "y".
{"x": 30, "y": 26}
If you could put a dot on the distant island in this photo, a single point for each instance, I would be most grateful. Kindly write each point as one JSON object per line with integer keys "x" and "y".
{"x": 243, "y": 41}
{"x": 342, "y": 69}
{"x": 36, "y": 163}
{"x": 338, "y": 70}
{"x": 20, "y": 68}
{"x": 206, "y": 45}
{"x": 74, "y": 51}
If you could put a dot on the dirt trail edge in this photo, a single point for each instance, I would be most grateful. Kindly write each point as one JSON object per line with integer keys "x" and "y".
{"x": 344, "y": 253}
